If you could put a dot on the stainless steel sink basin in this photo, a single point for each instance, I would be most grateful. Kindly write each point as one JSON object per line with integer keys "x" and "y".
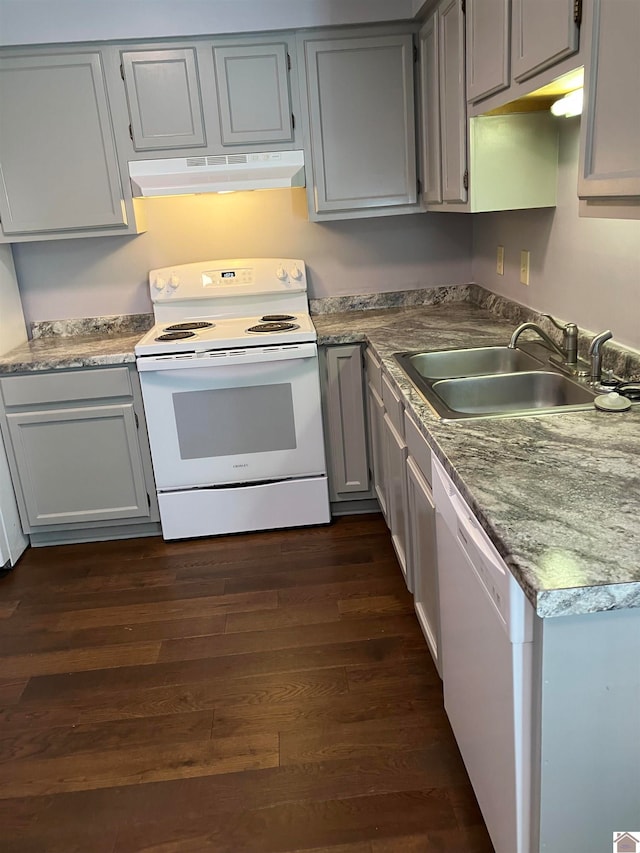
{"x": 452, "y": 364}
{"x": 511, "y": 393}
{"x": 492, "y": 382}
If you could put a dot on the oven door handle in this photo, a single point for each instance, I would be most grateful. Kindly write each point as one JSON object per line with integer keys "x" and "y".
{"x": 220, "y": 358}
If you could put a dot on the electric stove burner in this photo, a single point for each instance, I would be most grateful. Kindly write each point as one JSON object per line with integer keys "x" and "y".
{"x": 193, "y": 324}
{"x": 277, "y": 318}
{"x": 273, "y": 327}
{"x": 175, "y": 336}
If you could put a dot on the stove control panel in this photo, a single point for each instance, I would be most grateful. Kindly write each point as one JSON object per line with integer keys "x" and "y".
{"x": 228, "y": 278}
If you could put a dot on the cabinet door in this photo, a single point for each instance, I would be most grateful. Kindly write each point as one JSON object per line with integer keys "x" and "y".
{"x": 344, "y": 409}
{"x": 376, "y": 425}
{"x": 253, "y": 93}
{"x": 79, "y": 465}
{"x": 453, "y": 108}
{"x": 487, "y": 27}
{"x": 610, "y": 126}
{"x": 430, "y": 111}
{"x": 361, "y": 115}
{"x": 58, "y": 166}
{"x": 422, "y": 556}
{"x": 396, "y": 482}
{"x": 163, "y": 94}
{"x": 544, "y": 33}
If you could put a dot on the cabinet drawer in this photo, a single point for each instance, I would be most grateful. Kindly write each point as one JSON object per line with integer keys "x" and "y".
{"x": 393, "y": 405}
{"x": 418, "y": 447}
{"x": 374, "y": 371}
{"x": 59, "y": 388}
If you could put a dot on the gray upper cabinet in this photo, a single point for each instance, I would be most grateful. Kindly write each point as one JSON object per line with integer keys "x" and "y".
{"x": 430, "y": 142}
{"x": 610, "y": 127}
{"x": 58, "y": 166}
{"x": 453, "y": 113}
{"x": 361, "y": 130}
{"x": 487, "y": 25}
{"x": 163, "y": 96}
{"x": 252, "y": 83}
{"x": 544, "y": 33}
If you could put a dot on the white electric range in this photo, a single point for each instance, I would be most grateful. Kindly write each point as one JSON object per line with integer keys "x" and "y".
{"x": 231, "y": 391}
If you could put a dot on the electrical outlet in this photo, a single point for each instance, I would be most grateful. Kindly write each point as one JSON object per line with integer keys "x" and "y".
{"x": 525, "y": 257}
{"x": 500, "y": 260}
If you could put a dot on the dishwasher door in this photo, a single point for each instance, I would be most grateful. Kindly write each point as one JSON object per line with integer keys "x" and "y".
{"x": 486, "y": 629}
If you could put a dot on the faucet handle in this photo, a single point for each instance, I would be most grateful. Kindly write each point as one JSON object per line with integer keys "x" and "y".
{"x": 562, "y": 326}
{"x": 570, "y": 339}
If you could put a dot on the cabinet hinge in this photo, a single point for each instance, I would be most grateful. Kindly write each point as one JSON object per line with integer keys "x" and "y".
{"x": 577, "y": 12}
{"x": 415, "y": 53}
{"x": 288, "y": 63}
{"x": 463, "y": 6}
{"x": 122, "y": 70}
{"x": 135, "y": 415}
{"x": 465, "y": 179}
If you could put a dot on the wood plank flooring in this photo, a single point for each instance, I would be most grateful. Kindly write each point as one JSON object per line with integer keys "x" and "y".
{"x": 263, "y": 693}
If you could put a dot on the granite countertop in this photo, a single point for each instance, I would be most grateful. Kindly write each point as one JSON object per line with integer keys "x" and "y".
{"x": 559, "y": 495}
{"x": 78, "y": 343}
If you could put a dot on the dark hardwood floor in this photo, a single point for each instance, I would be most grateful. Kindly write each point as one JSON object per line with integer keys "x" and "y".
{"x": 264, "y": 693}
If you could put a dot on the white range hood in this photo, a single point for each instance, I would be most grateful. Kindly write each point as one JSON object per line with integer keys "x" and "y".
{"x": 217, "y": 173}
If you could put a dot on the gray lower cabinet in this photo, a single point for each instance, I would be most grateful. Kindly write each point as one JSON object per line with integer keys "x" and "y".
{"x": 345, "y": 423}
{"x": 610, "y": 127}
{"x": 163, "y": 96}
{"x": 77, "y": 450}
{"x": 358, "y": 101}
{"x": 395, "y": 469}
{"x": 421, "y": 538}
{"x": 59, "y": 173}
{"x": 375, "y": 408}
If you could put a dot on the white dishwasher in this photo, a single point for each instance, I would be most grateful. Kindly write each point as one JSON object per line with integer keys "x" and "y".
{"x": 486, "y": 636}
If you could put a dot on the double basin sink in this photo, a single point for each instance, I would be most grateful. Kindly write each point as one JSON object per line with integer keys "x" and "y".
{"x": 493, "y": 382}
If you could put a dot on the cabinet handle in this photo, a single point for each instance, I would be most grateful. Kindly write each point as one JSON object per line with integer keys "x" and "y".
{"x": 131, "y": 132}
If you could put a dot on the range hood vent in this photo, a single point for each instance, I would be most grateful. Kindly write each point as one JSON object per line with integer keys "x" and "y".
{"x": 217, "y": 173}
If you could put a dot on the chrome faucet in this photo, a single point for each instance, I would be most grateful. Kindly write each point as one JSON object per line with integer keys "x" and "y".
{"x": 595, "y": 353}
{"x": 545, "y": 337}
{"x": 569, "y": 340}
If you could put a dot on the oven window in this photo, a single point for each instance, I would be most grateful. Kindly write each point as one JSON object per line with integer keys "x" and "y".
{"x": 234, "y": 421}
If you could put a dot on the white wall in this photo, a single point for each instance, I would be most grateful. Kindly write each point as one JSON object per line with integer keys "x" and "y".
{"x": 108, "y": 275}
{"x": 583, "y": 270}
{"x": 38, "y": 21}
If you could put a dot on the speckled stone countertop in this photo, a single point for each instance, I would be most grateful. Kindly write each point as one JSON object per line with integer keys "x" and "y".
{"x": 559, "y": 495}
{"x": 78, "y": 343}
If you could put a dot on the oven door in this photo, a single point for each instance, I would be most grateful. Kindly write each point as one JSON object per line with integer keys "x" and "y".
{"x": 245, "y": 415}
